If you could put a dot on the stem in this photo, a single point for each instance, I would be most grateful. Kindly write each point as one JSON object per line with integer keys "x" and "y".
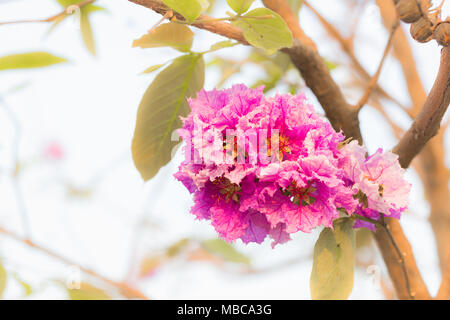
{"x": 233, "y": 18}
{"x": 374, "y": 79}
{"x": 65, "y": 12}
{"x": 399, "y": 253}
{"x": 383, "y": 224}
{"x": 358, "y": 217}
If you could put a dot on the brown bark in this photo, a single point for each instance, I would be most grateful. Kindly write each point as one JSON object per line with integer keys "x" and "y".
{"x": 430, "y": 163}
{"x": 218, "y": 27}
{"x": 402, "y": 269}
{"x": 427, "y": 122}
{"x": 317, "y": 77}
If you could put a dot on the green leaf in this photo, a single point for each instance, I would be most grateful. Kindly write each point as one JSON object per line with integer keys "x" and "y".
{"x": 189, "y": 9}
{"x": 333, "y": 262}
{"x": 177, "y": 247}
{"x": 66, "y": 3}
{"x": 28, "y": 290}
{"x": 92, "y": 8}
{"x": 211, "y": 6}
{"x": 265, "y": 29}
{"x": 331, "y": 65}
{"x": 88, "y": 8}
{"x": 222, "y": 45}
{"x": 159, "y": 112}
{"x": 152, "y": 68}
{"x": 173, "y": 35}
{"x": 225, "y": 250}
{"x": 86, "y": 32}
{"x": 87, "y": 292}
{"x": 29, "y": 60}
{"x": 240, "y": 6}
{"x": 3, "y": 279}
{"x": 275, "y": 66}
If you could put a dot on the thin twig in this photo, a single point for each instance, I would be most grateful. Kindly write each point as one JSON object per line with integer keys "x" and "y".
{"x": 348, "y": 49}
{"x": 374, "y": 79}
{"x": 167, "y": 15}
{"x": 18, "y": 193}
{"x": 66, "y": 11}
{"x": 124, "y": 288}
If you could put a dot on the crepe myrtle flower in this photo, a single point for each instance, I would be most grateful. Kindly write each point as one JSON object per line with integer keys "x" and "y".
{"x": 263, "y": 167}
{"x": 377, "y": 182}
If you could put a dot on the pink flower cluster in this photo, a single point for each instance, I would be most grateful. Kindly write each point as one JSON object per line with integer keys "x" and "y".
{"x": 260, "y": 166}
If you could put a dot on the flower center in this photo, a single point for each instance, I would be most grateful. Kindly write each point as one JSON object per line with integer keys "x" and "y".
{"x": 283, "y": 147}
{"x": 301, "y": 195}
{"x": 361, "y": 196}
{"x": 228, "y": 191}
{"x": 231, "y": 148}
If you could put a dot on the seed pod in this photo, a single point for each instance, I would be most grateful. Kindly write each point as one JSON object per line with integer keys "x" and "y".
{"x": 408, "y": 11}
{"x": 442, "y": 33}
{"x": 421, "y": 30}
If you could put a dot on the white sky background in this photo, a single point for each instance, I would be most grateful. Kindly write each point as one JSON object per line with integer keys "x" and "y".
{"x": 89, "y": 106}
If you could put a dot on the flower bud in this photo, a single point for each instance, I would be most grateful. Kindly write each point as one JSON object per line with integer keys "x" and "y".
{"x": 408, "y": 11}
{"x": 442, "y": 33}
{"x": 421, "y": 30}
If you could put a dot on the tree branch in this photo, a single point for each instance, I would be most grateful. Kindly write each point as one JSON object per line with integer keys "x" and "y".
{"x": 224, "y": 29}
{"x": 414, "y": 287}
{"x": 284, "y": 10}
{"x": 347, "y": 47}
{"x": 427, "y": 122}
{"x": 123, "y": 288}
{"x": 373, "y": 81}
{"x": 317, "y": 76}
{"x": 66, "y": 11}
{"x": 444, "y": 290}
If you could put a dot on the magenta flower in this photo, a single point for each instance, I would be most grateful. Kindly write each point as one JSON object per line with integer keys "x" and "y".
{"x": 377, "y": 182}
{"x": 268, "y": 167}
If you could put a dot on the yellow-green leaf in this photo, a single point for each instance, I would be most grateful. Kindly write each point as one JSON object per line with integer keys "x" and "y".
{"x": 265, "y": 29}
{"x": 87, "y": 292}
{"x": 177, "y": 247}
{"x": 222, "y": 45}
{"x": 190, "y": 9}
{"x": 29, "y": 60}
{"x": 56, "y": 23}
{"x": 173, "y": 35}
{"x": 92, "y": 8}
{"x": 152, "y": 68}
{"x": 333, "y": 262}
{"x": 3, "y": 279}
{"x": 331, "y": 65}
{"x": 159, "y": 112}
{"x": 86, "y": 32}
{"x": 28, "y": 290}
{"x": 225, "y": 250}
{"x": 88, "y": 8}
{"x": 240, "y": 6}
